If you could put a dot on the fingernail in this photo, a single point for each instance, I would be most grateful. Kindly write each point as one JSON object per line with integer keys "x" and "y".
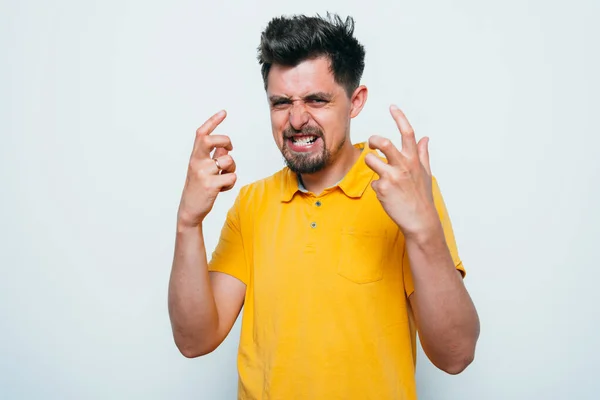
{"x": 394, "y": 107}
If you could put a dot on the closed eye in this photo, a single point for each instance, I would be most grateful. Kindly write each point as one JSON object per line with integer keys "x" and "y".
{"x": 318, "y": 99}
{"x": 279, "y": 102}
{"x": 315, "y": 100}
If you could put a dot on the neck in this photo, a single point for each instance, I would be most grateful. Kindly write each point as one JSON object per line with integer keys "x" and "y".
{"x": 332, "y": 174}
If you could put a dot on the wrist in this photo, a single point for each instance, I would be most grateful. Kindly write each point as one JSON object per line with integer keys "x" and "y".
{"x": 430, "y": 233}
{"x": 186, "y": 221}
{"x": 184, "y": 227}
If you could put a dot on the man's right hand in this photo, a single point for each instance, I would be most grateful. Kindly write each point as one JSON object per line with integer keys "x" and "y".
{"x": 204, "y": 179}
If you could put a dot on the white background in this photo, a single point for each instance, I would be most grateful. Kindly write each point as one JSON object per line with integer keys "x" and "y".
{"x": 99, "y": 102}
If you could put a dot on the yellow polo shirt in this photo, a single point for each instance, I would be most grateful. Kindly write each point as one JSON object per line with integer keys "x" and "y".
{"x": 326, "y": 313}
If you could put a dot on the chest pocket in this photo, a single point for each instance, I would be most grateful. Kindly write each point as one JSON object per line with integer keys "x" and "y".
{"x": 362, "y": 255}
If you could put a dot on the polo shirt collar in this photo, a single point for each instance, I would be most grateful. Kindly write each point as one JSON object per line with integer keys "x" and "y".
{"x": 353, "y": 184}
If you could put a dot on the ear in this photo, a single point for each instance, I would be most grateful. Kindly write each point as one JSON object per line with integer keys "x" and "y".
{"x": 358, "y": 100}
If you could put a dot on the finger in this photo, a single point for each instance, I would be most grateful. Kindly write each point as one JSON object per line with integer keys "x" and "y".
{"x": 409, "y": 145}
{"x": 208, "y": 143}
{"x": 423, "y": 147}
{"x": 211, "y": 123}
{"x": 225, "y": 182}
{"x": 220, "y": 151}
{"x": 377, "y": 164}
{"x": 203, "y": 167}
{"x": 226, "y": 163}
{"x": 208, "y": 127}
{"x": 375, "y": 185}
{"x": 386, "y": 146}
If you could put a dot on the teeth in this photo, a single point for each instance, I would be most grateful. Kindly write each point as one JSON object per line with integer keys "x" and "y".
{"x": 304, "y": 141}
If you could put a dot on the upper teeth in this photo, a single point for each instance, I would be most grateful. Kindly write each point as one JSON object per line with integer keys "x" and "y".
{"x": 304, "y": 141}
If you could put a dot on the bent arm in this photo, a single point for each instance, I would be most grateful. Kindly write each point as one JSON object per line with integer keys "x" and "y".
{"x": 203, "y": 306}
{"x": 445, "y": 315}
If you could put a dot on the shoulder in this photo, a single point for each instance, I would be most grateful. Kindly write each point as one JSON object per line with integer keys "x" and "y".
{"x": 266, "y": 187}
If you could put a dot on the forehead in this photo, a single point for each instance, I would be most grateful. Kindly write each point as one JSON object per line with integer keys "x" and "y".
{"x": 307, "y": 77}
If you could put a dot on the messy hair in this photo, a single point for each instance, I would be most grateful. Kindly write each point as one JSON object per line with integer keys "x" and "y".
{"x": 288, "y": 41}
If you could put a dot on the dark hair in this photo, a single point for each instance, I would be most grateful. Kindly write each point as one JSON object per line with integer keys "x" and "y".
{"x": 290, "y": 40}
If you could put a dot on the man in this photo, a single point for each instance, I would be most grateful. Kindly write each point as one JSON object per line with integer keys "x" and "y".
{"x": 338, "y": 258}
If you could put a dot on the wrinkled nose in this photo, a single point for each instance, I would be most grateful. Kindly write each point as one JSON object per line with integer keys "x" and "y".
{"x": 298, "y": 116}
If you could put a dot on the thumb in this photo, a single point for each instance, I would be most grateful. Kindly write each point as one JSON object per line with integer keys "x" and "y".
{"x": 423, "y": 149}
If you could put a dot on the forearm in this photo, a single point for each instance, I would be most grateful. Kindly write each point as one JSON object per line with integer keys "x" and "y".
{"x": 446, "y": 317}
{"x": 192, "y": 307}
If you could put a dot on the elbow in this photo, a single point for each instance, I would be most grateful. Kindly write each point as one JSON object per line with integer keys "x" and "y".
{"x": 191, "y": 352}
{"x": 458, "y": 364}
{"x": 454, "y": 359}
{"x": 461, "y": 355}
{"x": 194, "y": 349}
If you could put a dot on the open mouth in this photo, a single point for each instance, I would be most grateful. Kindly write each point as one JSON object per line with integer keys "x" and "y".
{"x": 303, "y": 141}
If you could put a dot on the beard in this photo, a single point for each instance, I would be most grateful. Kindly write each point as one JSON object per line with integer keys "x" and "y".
{"x": 309, "y": 162}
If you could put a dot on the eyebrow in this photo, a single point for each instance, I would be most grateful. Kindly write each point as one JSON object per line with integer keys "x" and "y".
{"x": 312, "y": 96}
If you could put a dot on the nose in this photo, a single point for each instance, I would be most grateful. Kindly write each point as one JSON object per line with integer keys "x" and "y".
{"x": 298, "y": 115}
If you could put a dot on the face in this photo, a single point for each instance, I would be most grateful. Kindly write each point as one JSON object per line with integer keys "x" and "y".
{"x": 310, "y": 114}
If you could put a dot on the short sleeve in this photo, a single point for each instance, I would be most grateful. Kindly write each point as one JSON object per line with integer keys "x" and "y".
{"x": 228, "y": 256}
{"x": 448, "y": 233}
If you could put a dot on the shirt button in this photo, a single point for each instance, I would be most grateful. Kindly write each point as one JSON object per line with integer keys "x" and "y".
{"x": 313, "y": 224}
{"x": 318, "y": 203}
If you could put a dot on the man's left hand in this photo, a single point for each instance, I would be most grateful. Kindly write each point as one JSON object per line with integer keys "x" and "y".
{"x": 404, "y": 187}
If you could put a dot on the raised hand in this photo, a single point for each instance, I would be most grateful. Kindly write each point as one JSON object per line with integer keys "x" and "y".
{"x": 207, "y": 175}
{"x": 404, "y": 187}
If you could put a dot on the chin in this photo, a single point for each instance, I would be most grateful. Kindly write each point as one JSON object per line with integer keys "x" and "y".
{"x": 304, "y": 164}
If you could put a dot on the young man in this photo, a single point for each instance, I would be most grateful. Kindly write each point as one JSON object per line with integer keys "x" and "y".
{"x": 338, "y": 258}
